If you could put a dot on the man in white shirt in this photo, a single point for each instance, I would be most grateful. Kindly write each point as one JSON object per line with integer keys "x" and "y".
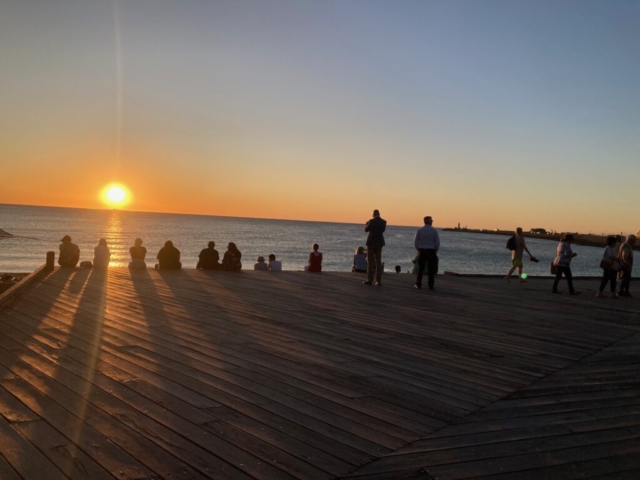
{"x": 274, "y": 265}
{"x": 427, "y": 243}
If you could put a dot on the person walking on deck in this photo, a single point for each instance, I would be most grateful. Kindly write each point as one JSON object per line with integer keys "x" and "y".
{"x": 375, "y": 241}
{"x": 517, "y": 246}
{"x": 610, "y": 266}
{"x": 564, "y": 254}
{"x": 625, "y": 257}
{"x": 427, "y": 243}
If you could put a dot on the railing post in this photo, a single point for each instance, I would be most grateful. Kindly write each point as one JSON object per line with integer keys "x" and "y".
{"x": 51, "y": 259}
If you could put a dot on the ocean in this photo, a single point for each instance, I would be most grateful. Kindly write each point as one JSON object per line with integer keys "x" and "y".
{"x": 289, "y": 240}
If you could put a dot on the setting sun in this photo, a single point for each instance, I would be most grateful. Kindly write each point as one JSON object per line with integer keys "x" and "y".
{"x": 115, "y": 195}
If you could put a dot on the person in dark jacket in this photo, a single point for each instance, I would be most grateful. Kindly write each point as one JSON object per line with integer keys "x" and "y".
{"x": 169, "y": 257}
{"x": 375, "y": 241}
{"x": 209, "y": 258}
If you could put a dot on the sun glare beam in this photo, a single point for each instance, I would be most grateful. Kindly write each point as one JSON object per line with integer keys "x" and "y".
{"x": 115, "y": 195}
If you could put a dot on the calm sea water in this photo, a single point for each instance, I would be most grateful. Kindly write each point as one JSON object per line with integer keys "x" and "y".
{"x": 290, "y": 240}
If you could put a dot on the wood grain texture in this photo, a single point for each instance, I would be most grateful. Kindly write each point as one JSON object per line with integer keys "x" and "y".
{"x": 256, "y": 375}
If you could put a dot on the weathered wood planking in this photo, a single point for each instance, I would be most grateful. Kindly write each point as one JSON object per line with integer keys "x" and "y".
{"x": 272, "y": 376}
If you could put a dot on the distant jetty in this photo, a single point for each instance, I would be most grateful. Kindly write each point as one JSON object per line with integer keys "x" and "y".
{"x": 585, "y": 239}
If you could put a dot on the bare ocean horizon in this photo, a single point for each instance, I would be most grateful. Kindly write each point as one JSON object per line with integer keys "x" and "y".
{"x": 39, "y": 229}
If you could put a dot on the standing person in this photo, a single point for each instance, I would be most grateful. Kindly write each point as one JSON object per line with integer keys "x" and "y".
{"x": 427, "y": 243}
{"x": 609, "y": 265}
{"x": 564, "y": 254}
{"x": 625, "y": 256}
{"x": 375, "y": 241}
{"x": 138, "y": 254}
{"x": 101, "y": 254}
{"x": 516, "y": 254}
{"x": 231, "y": 260}
{"x": 169, "y": 257}
{"x": 274, "y": 265}
{"x": 69, "y": 253}
{"x": 315, "y": 260}
{"x": 209, "y": 258}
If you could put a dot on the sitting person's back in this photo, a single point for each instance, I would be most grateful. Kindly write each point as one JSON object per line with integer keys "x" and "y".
{"x": 232, "y": 258}
{"x": 169, "y": 257}
{"x": 274, "y": 265}
{"x": 359, "y": 261}
{"x": 261, "y": 265}
{"x": 69, "y": 253}
{"x": 209, "y": 258}
{"x": 101, "y": 254}
{"x": 138, "y": 254}
{"x": 315, "y": 260}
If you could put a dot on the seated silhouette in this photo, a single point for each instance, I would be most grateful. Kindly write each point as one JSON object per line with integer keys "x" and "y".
{"x": 169, "y": 257}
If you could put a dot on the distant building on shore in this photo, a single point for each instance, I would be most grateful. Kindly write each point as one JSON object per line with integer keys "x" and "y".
{"x": 538, "y": 231}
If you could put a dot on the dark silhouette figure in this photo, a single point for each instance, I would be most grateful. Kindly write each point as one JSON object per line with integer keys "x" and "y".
{"x": 69, "y": 253}
{"x": 427, "y": 243}
{"x": 375, "y": 241}
{"x": 564, "y": 254}
{"x": 610, "y": 266}
{"x": 169, "y": 257}
{"x": 209, "y": 258}
{"x": 231, "y": 260}
{"x": 625, "y": 256}
{"x": 315, "y": 260}
{"x": 138, "y": 254}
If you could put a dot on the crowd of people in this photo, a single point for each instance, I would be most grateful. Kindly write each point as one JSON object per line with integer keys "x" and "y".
{"x": 616, "y": 264}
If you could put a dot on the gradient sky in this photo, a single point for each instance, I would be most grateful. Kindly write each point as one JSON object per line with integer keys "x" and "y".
{"x": 490, "y": 113}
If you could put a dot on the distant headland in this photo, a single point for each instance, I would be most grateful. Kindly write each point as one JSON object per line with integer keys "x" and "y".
{"x": 586, "y": 239}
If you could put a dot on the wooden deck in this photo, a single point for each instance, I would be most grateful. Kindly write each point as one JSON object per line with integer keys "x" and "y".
{"x": 252, "y": 375}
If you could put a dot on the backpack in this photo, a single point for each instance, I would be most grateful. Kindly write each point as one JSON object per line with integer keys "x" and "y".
{"x": 511, "y": 243}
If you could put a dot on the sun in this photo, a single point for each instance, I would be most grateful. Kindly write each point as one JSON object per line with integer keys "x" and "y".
{"x": 115, "y": 195}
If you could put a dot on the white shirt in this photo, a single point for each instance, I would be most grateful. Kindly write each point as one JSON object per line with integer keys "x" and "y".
{"x": 427, "y": 238}
{"x": 275, "y": 266}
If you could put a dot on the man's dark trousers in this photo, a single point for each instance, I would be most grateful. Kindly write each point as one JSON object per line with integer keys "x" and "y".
{"x": 427, "y": 257}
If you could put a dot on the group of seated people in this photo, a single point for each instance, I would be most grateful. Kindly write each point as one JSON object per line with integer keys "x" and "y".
{"x": 209, "y": 258}
{"x": 273, "y": 265}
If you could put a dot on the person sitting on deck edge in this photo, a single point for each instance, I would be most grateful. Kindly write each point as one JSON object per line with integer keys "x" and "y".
{"x": 138, "y": 254}
{"x": 209, "y": 258}
{"x": 169, "y": 257}
{"x": 69, "y": 253}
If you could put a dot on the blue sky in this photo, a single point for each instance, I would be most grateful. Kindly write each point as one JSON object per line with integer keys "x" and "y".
{"x": 491, "y": 113}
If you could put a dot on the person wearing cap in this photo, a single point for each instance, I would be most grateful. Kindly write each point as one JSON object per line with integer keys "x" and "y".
{"x": 375, "y": 241}
{"x": 138, "y": 254}
{"x": 427, "y": 244}
{"x": 101, "y": 254}
{"x": 209, "y": 258}
{"x": 69, "y": 253}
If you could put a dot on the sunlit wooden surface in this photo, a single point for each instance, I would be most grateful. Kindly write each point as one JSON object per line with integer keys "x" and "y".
{"x": 256, "y": 375}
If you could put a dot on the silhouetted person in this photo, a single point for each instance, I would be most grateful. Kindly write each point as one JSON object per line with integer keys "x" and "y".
{"x": 398, "y": 269}
{"x": 209, "y": 258}
{"x": 359, "y": 261}
{"x": 517, "y": 253}
{"x": 138, "y": 254}
{"x": 231, "y": 260}
{"x": 315, "y": 260}
{"x": 564, "y": 255}
{"x": 261, "y": 265}
{"x": 610, "y": 265}
{"x": 101, "y": 254}
{"x": 625, "y": 256}
{"x": 375, "y": 241}
{"x": 427, "y": 243}
{"x": 69, "y": 253}
{"x": 274, "y": 265}
{"x": 169, "y": 257}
